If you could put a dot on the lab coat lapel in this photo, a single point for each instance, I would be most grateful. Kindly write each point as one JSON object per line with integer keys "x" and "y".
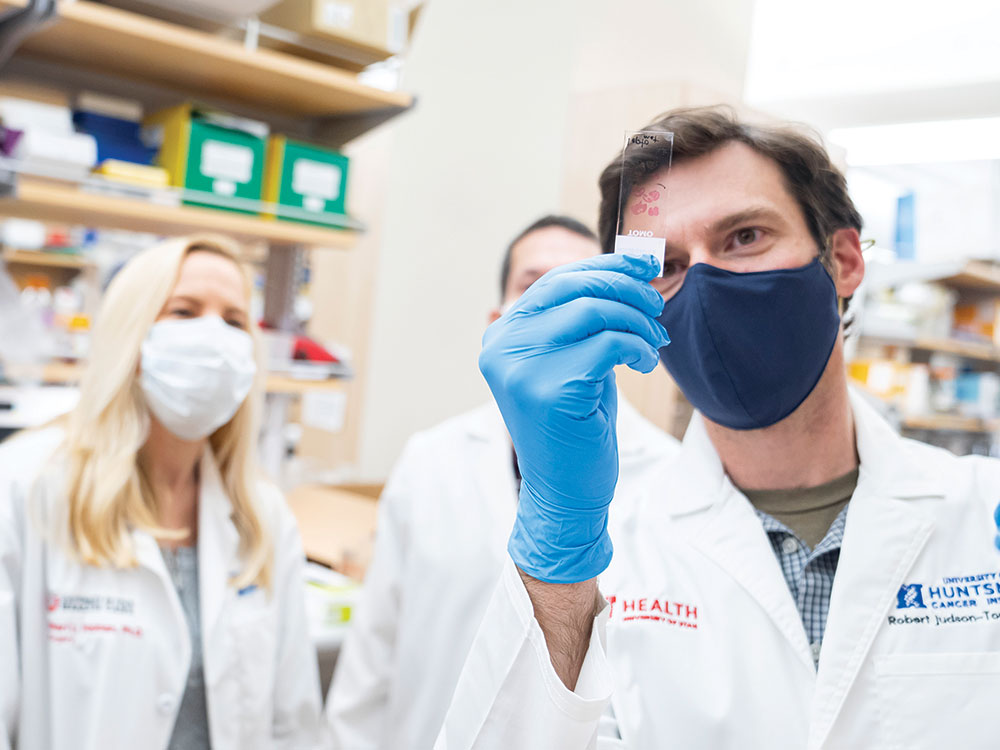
{"x": 494, "y": 463}
{"x": 722, "y": 524}
{"x": 884, "y": 534}
{"x": 632, "y": 431}
{"x": 149, "y": 556}
{"x": 218, "y": 545}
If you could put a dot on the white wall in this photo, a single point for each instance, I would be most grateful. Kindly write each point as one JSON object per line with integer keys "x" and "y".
{"x": 859, "y": 62}
{"x": 478, "y": 158}
{"x": 956, "y": 206}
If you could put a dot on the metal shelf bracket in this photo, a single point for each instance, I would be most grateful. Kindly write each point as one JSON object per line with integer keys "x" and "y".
{"x": 18, "y": 23}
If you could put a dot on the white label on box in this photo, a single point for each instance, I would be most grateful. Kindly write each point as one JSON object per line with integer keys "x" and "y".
{"x": 316, "y": 179}
{"x": 313, "y": 203}
{"x": 224, "y": 187}
{"x": 881, "y": 376}
{"x": 630, "y": 244}
{"x": 324, "y": 411}
{"x": 338, "y": 15}
{"x": 226, "y": 161}
{"x": 399, "y": 29}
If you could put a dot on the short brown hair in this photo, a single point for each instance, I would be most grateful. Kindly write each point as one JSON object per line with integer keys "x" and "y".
{"x": 810, "y": 177}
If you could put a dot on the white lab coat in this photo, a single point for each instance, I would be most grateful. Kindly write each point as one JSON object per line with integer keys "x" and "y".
{"x": 444, "y": 520}
{"x": 97, "y": 658}
{"x": 703, "y": 647}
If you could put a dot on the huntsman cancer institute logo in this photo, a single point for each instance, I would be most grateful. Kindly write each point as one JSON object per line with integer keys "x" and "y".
{"x": 910, "y": 596}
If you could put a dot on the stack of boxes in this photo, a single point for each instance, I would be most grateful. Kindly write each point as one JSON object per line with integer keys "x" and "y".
{"x": 943, "y": 382}
{"x": 39, "y": 133}
{"x": 231, "y": 163}
{"x": 978, "y": 393}
{"x": 219, "y": 160}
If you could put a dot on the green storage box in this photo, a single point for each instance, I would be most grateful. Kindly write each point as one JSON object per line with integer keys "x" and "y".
{"x": 308, "y": 182}
{"x": 215, "y": 154}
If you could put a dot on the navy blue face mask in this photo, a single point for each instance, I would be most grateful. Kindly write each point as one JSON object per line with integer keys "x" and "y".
{"x": 747, "y": 348}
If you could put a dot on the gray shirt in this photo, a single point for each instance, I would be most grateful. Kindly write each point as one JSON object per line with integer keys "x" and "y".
{"x": 191, "y": 727}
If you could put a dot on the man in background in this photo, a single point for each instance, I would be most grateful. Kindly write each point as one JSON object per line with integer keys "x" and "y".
{"x": 444, "y": 520}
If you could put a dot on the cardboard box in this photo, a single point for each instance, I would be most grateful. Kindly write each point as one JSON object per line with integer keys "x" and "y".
{"x": 310, "y": 180}
{"x": 219, "y": 156}
{"x": 979, "y": 320}
{"x": 359, "y": 22}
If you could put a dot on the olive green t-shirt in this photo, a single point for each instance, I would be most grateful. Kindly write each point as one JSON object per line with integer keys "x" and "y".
{"x": 808, "y": 512}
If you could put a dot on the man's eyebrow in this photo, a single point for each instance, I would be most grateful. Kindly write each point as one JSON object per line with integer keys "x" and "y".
{"x": 750, "y": 215}
{"x": 530, "y": 271}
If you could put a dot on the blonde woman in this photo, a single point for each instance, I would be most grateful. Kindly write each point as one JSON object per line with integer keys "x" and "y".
{"x": 150, "y": 584}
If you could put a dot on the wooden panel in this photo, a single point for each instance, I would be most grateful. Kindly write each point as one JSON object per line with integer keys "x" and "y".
{"x": 976, "y": 276}
{"x": 111, "y": 40}
{"x": 337, "y": 527}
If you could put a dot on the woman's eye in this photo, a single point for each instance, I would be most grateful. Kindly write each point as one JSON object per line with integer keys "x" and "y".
{"x": 235, "y": 323}
{"x": 747, "y": 236}
{"x": 181, "y": 312}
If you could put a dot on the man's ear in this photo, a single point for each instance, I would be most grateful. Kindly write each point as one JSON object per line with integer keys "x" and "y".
{"x": 848, "y": 262}
{"x": 494, "y": 316}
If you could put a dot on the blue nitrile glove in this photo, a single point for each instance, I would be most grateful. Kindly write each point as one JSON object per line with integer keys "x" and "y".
{"x": 549, "y": 362}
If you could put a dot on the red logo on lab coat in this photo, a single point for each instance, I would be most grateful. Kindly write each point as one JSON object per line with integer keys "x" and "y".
{"x": 53, "y": 603}
{"x": 653, "y": 609}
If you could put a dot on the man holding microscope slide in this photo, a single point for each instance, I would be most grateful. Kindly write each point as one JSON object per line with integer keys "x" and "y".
{"x": 801, "y": 576}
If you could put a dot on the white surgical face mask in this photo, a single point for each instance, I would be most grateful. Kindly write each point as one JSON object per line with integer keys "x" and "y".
{"x": 196, "y": 373}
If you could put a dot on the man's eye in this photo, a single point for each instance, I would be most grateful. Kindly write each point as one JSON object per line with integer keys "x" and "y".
{"x": 671, "y": 267}
{"x": 747, "y": 236}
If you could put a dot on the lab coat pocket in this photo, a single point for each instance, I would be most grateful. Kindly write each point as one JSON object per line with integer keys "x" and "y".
{"x": 255, "y": 639}
{"x": 939, "y": 700}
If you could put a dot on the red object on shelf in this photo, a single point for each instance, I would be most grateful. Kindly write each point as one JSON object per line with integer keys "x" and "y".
{"x": 307, "y": 349}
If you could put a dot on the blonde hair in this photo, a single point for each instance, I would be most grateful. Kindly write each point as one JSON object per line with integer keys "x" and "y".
{"x": 107, "y": 491}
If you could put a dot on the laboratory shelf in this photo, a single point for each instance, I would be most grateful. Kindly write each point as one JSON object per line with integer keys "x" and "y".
{"x": 967, "y": 349}
{"x": 951, "y": 423}
{"x": 46, "y": 259}
{"x": 68, "y": 373}
{"x": 977, "y": 276}
{"x": 284, "y": 384}
{"x": 104, "y": 39}
{"x": 34, "y": 198}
